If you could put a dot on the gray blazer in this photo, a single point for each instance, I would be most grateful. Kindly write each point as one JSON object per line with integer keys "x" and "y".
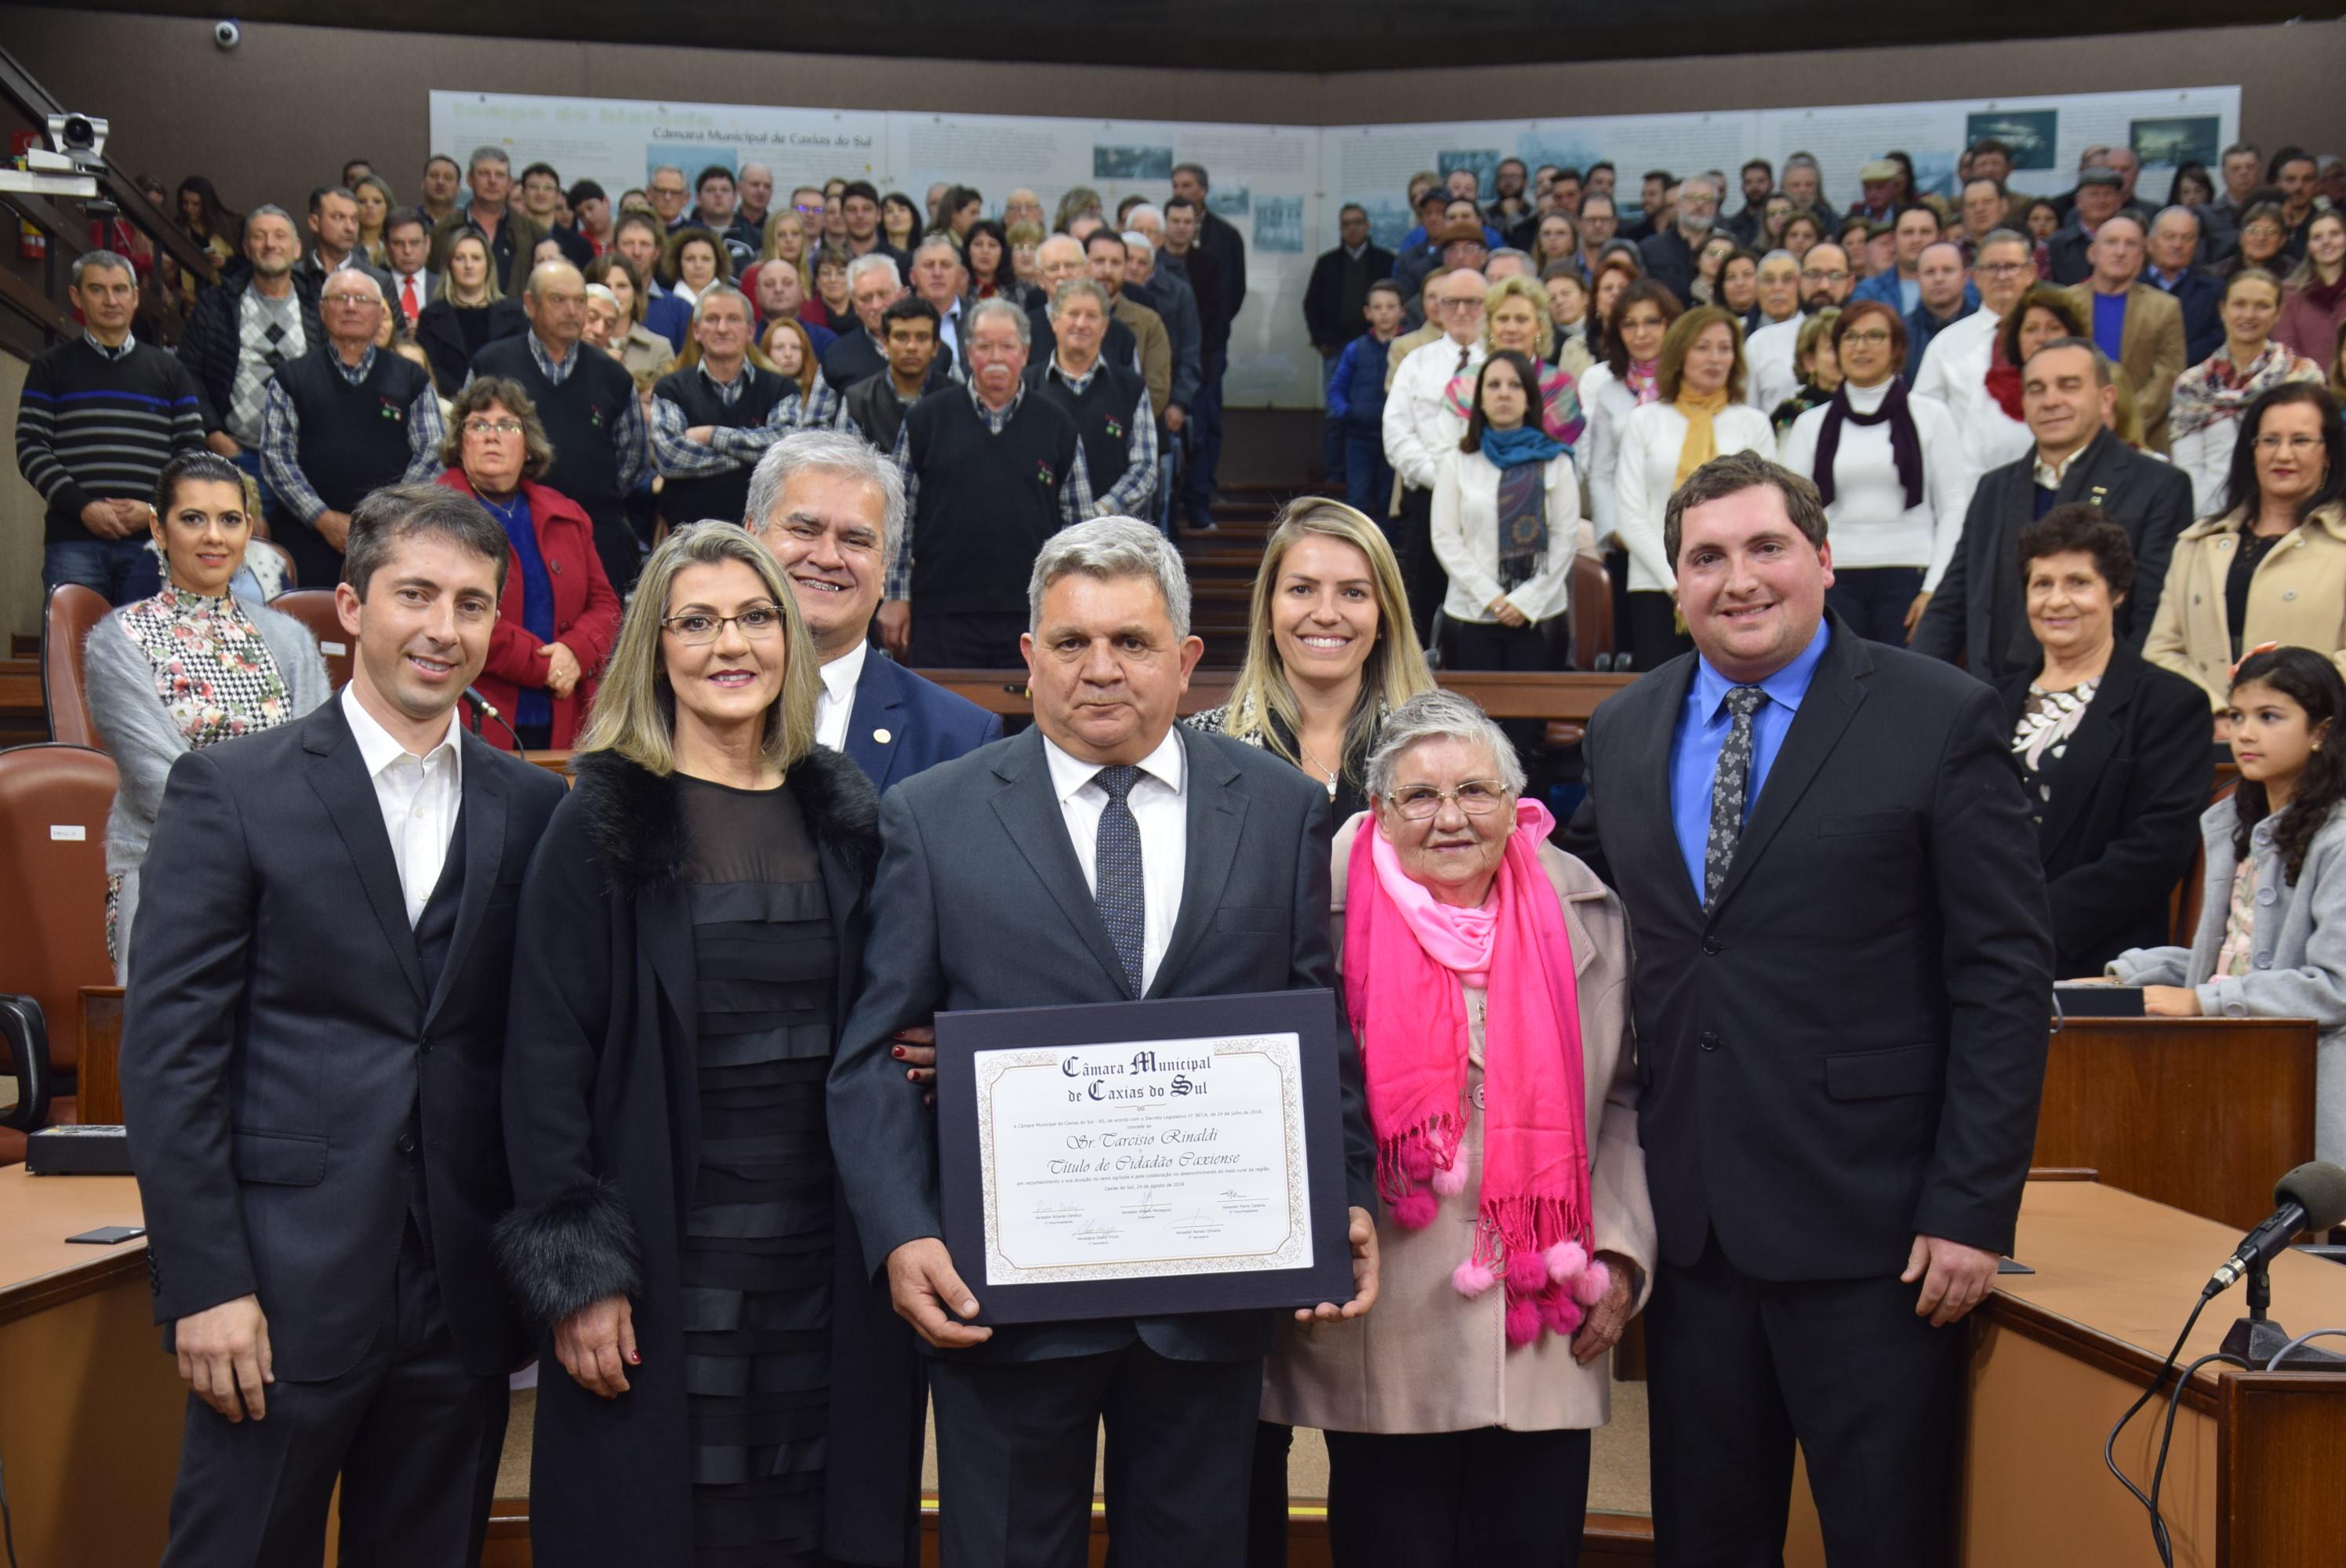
{"x": 2298, "y": 941}
{"x": 144, "y": 742}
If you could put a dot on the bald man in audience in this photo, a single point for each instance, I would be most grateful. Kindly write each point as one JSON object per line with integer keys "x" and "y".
{"x": 588, "y": 403}
{"x": 2138, "y": 328}
{"x": 342, "y": 420}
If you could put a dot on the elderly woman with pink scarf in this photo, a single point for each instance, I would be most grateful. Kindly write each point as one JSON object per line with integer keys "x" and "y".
{"x": 1485, "y": 974}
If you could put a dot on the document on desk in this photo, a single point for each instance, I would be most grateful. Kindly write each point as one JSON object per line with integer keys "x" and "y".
{"x": 1176, "y": 1169}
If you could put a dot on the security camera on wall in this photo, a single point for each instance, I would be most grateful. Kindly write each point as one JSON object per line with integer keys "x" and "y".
{"x": 226, "y": 33}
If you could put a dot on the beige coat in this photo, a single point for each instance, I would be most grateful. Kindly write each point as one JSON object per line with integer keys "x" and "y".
{"x": 2150, "y": 351}
{"x": 2296, "y": 596}
{"x": 1426, "y": 1358}
{"x": 1156, "y": 346}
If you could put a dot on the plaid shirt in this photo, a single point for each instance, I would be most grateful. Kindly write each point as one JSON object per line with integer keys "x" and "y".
{"x": 1074, "y": 491}
{"x": 729, "y": 447}
{"x": 1135, "y": 491}
{"x": 281, "y": 440}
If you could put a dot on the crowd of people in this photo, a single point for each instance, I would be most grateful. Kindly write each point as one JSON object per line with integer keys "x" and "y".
{"x": 433, "y": 1067}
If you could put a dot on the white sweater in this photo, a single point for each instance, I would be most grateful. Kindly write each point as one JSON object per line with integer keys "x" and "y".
{"x": 1771, "y": 371}
{"x": 1465, "y": 529}
{"x": 1871, "y": 524}
{"x": 1417, "y": 423}
{"x": 1607, "y": 404}
{"x": 1646, "y": 471}
{"x": 1954, "y": 371}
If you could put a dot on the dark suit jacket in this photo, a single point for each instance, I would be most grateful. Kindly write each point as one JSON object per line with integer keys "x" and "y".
{"x": 2124, "y": 819}
{"x": 2070, "y": 264}
{"x": 2150, "y": 499}
{"x": 2202, "y": 298}
{"x": 904, "y": 724}
{"x": 985, "y": 905}
{"x": 278, "y": 1039}
{"x": 1848, "y": 1049}
{"x": 1670, "y": 262}
{"x": 1324, "y": 297}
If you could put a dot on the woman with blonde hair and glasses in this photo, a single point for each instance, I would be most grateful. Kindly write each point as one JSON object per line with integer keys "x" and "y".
{"x": 1330, "y": 648}
{"x": 717, "y": 1370}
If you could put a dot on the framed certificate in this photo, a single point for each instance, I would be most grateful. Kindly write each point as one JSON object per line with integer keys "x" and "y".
{"x": 1144, "y": 1158}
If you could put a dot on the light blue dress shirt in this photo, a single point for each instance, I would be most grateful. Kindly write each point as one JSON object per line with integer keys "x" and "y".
{"x": 1702, "y": 729}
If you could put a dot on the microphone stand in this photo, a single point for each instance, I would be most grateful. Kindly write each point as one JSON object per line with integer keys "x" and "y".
{"x": 2257, "y": 1338}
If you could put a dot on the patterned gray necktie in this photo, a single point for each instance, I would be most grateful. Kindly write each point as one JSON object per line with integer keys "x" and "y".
{"x": 1729, "y": 785}
{"x": 1115, "y": 878}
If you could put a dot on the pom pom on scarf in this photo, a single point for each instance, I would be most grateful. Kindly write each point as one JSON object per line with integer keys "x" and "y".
{"x": 1415, "y": 1209}
{"x": 1594, "y": 1282}
{"x": 1470, "y": 1278}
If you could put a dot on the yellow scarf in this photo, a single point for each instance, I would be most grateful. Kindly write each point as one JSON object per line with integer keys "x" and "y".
{"x": 1701, "y": 444}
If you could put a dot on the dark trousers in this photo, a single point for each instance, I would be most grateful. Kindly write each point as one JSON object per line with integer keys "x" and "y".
{"x": 1368, "y": 477}
{"x": 1267, "y": 1496}
{"x": 316, "y": 564}
{"x": 1737, "y": 1369}
{"x": 412, "y": 1434}
{"x": 1457, "y": 1500}
{"x": 966, "y": 640}
{"x": 615, "y": 544}
{"x": 1475, "y": 645}
{"x": 124, "y": 570}
{"x": 1421, "y": 571}
{"x": 1205, "y": 428}
{"x": 1874, "y": 600}
{"x": 1016, "y": 1441}
{"x": 1654, "y": 637}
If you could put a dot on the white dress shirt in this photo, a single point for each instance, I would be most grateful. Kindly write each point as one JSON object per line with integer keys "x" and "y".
{"x": 834, "y": 704}
{"x": 1954, "y": 371}
{"x": 1417, "y": 417}
{"x": 1871, "y": 524}
{"x": 420, "y": 796}
{"x": 1645, "y": 471}
{"x": 1161, "y": 807}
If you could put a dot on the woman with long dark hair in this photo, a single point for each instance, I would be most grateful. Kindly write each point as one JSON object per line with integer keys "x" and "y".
{"x": 2271, "y": 941}
{"x": 2272, "y": 566}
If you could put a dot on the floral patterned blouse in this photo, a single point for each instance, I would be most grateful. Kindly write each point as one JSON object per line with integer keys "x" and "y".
{"x": 214, "y": 676}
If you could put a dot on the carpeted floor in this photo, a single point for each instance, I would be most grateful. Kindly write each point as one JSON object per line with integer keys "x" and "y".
{"x": 1616, "y": 1481}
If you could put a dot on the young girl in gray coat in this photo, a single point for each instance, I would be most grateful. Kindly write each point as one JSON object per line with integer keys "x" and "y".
{"x": 2271, "y": 941}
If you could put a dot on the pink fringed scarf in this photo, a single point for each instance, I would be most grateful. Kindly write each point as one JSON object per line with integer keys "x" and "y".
{"x": 1406, "y": 954}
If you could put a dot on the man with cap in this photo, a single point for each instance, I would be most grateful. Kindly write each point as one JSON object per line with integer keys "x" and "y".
{"x": 1460, "y": 244}
{"x": 2099, "y": 196}
{"x": 1882, "y": 179}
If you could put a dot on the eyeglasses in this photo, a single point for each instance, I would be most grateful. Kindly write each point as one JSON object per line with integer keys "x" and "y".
{"x": 1817, "y": 275}
{"x": 2288, "y": 442}
{"x": 694, "y": 627}
{"x": 1476, "y": 798}
{"x": 1475, "y": 303}
{"x": 2002, "y": 269}
{"x": 2263, "y": 230}
{"x": 493, "y": 427}
{"x": 351, "y": 299}
{"x": 1873, "y": 339}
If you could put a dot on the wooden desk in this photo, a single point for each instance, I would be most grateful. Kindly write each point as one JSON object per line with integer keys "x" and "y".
{"x": 90, "y": 1407}
{"x": 1569, "y": 697}
{"x": 2058, "y": 1356}
{"x": 2203, "y": 1114}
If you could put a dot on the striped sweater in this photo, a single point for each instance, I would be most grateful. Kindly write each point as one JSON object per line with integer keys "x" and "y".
{"x": 92, "y": 427}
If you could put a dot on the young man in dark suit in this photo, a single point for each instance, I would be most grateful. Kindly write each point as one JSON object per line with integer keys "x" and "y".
{"x": 1034, "y": 872}
{"x": 1842, "y": 991}
{"x": 312, "y": 1047}
{"x": 826, "y": 504}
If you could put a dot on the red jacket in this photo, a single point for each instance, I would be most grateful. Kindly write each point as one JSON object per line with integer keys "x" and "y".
{"x": 586, "y": 614}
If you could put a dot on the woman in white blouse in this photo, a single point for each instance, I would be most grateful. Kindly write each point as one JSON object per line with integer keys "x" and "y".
{"x": 1698, "y": 414}
{"x": 1506, "y": 524}
{"x": 1619, "y": 385}
{"x": 1890, "y": 469}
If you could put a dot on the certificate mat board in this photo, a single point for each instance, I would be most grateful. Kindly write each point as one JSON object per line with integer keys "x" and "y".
{"x": 1144, "y": 1158}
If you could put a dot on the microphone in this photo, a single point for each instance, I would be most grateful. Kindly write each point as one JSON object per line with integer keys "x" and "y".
{"x": 483, "y": 708}
{"x": 2311, "y": 1198}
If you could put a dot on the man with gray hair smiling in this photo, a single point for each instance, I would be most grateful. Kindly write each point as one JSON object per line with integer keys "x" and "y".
{"x": 827, "y": 505}
{"x": 1670, "y": 254}
{"x": 988, "y": 477}
{"x": 1105, "y": 855}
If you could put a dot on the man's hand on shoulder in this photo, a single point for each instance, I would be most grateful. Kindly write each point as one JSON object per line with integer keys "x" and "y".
{"x": 224, "y": 1357}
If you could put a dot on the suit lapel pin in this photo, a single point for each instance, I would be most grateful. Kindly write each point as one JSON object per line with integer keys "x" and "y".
{"x": 882, "y": 736}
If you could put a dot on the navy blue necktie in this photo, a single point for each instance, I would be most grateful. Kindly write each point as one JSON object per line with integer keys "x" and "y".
{"x": 1117, "y": 886}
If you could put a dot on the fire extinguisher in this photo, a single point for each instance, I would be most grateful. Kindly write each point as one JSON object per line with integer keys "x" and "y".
{"x": 32, "y": 245}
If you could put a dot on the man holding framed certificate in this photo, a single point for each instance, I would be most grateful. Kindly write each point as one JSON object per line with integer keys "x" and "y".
{"x": 1103, "y": 857}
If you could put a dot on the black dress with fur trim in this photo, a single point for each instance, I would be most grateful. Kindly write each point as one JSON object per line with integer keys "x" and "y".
{"x": 684, "y": 957}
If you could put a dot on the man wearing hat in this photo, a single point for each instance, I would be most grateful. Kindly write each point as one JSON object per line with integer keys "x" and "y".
{"x": 1458, "y": 243}
{"x": 2100, "y": 193}
{"x": 1883, "y": 180}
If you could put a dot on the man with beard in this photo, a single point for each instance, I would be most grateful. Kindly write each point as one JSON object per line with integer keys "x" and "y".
{"x": 1804, "y": 183}
{"x": 1669, "y": 253}
{"x": 1759, "y": 185}
{"x": 1770, "y": 372}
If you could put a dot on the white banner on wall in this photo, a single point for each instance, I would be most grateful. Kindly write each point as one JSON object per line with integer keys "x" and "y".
{"x": 1282, "y": 186}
